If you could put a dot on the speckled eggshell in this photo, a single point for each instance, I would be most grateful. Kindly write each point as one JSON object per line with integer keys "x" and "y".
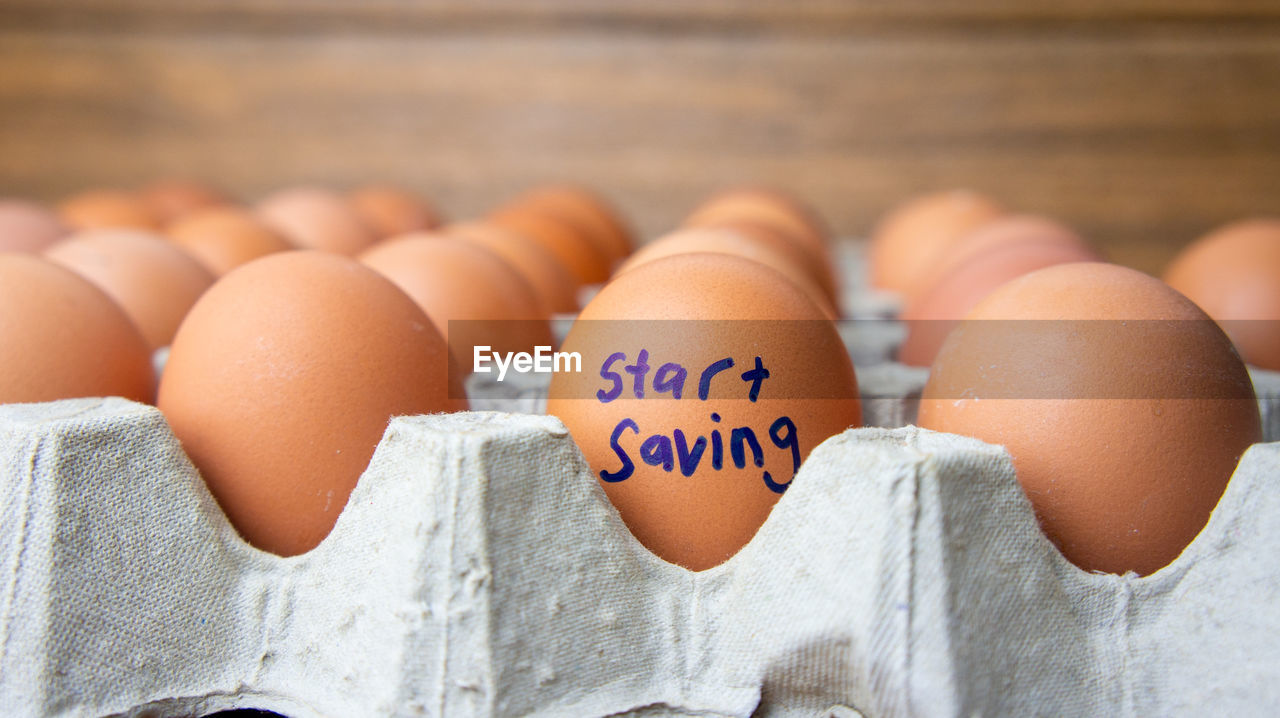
{"x": 1123, "y": 432}
{"x": 281, "y": 382}
{"x": 61, "y": 337}
{"x": 913, "y": 236}
{"x": 1233, "y": 274}
{"x": 683, "y": 507}
{"x": 151, "y": 279}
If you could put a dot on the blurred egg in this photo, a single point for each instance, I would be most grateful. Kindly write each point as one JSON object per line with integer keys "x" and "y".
{"x": 570, "y": 243}
{"x": 705, "y": 380}
{"x": 778, "y": 211}
{"x": 104, "y": 209}
{"x": 1000, "y": 232}
{"x": 930, "y": 315}
{"x": 913, "y": 236}
{"x": 152, "y": 280}
{"x": 223, "y": 238}
{"x": 316, "y": 218}
{"x": 487, "y": 301}
{"x": 171, "y": 199}
{"x": 1124, "y": 407}
{"x": 391, "y": 211}
{"x": 61, "y": 337}
{"x": 1233, "y": 274}
{"x": 548, "y": 277}
{"x": 27, "y": 226}
{"x": 584, "y": 208}
{"x": 281, "y": 383}
{"x": 722, "y": 240}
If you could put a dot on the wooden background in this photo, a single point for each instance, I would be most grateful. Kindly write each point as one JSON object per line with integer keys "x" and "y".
{"x": 1141, "y": 122}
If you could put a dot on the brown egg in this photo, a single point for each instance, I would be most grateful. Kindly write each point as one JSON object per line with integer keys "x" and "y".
{"x": 392, "y": 211}
{"x": 487, "y": 301}
{"x": 914, "y": 235}
{"x": 281, "y": 383}
{"x": 62, "y": 337}
{"x": 223, "y": 238}
{"x": 1003, "y": 231}
{"x": 28, "y": 227}
{"x": 1124, "y": 407}
{"x": 722, "y": 240}
{"x": 107, "y": 209}
{"x": 584, "y": 208}
{"x": 705, "y": 380}
{"x": 316, "y": 218}
{"x": 930, "y": 315}
{"x": 776, "y": 210}
{"x": 172, "y": 199}
{"x": 152, "y": 280}
{"x": 553, "y": 283}
{"x": 571, "y": 244}
{"x": 1233, "y": 274}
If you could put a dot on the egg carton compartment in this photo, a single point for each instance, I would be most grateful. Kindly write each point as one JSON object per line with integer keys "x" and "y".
{"x": 479, "y": 570}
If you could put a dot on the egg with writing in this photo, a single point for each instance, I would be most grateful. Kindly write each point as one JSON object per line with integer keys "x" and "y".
{"x": 706, "y": 380}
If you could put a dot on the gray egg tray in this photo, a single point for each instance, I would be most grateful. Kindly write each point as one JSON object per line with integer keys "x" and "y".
{"x": 479, "y": 570}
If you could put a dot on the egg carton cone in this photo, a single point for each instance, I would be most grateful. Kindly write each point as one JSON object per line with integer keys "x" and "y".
{"x": 479, "y": 570}
{"x": 1266, "y": 384}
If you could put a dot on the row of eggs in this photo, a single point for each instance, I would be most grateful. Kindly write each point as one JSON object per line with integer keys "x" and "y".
{"x": 283, "y": 374}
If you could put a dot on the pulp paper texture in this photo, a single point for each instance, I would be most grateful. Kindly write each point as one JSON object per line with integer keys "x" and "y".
{"x": 479, "y": 570}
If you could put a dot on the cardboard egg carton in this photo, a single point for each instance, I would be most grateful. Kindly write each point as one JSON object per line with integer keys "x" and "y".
{"x": 479, "y": 570}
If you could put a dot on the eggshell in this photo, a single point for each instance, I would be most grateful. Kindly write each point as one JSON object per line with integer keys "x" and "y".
{"x": 549, "y": 278}
{"x": 172, "y": 199}
{"x": 281, "y": 382}
{"x": 571, "y": 244}
{"x": 930, "y": 315}
{"x": 584, "y": 208}
{"x": 391, "y": 211}
{"x": 1124, "y": 407}
{"x": 1233, "y": 274}
{"x": 694, "y": 310}
{"x": 62, "y": 337}
{"x": 316, "y": 218}
{"x": 223, "y": 238}
{"x": 775, "y": 210}
{"x": 107, "y": 209}
{"x": 1000, "y": 232}
{"x": 152, "y": 280}
{"x": 28, "y": 226}
{"x": 914, "y": 235}
{"x": 456, "y": 281}
{"x": 723, "y": 240}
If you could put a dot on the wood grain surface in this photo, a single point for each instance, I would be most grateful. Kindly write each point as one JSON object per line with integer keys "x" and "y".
{"x": 1142, "y": 123}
